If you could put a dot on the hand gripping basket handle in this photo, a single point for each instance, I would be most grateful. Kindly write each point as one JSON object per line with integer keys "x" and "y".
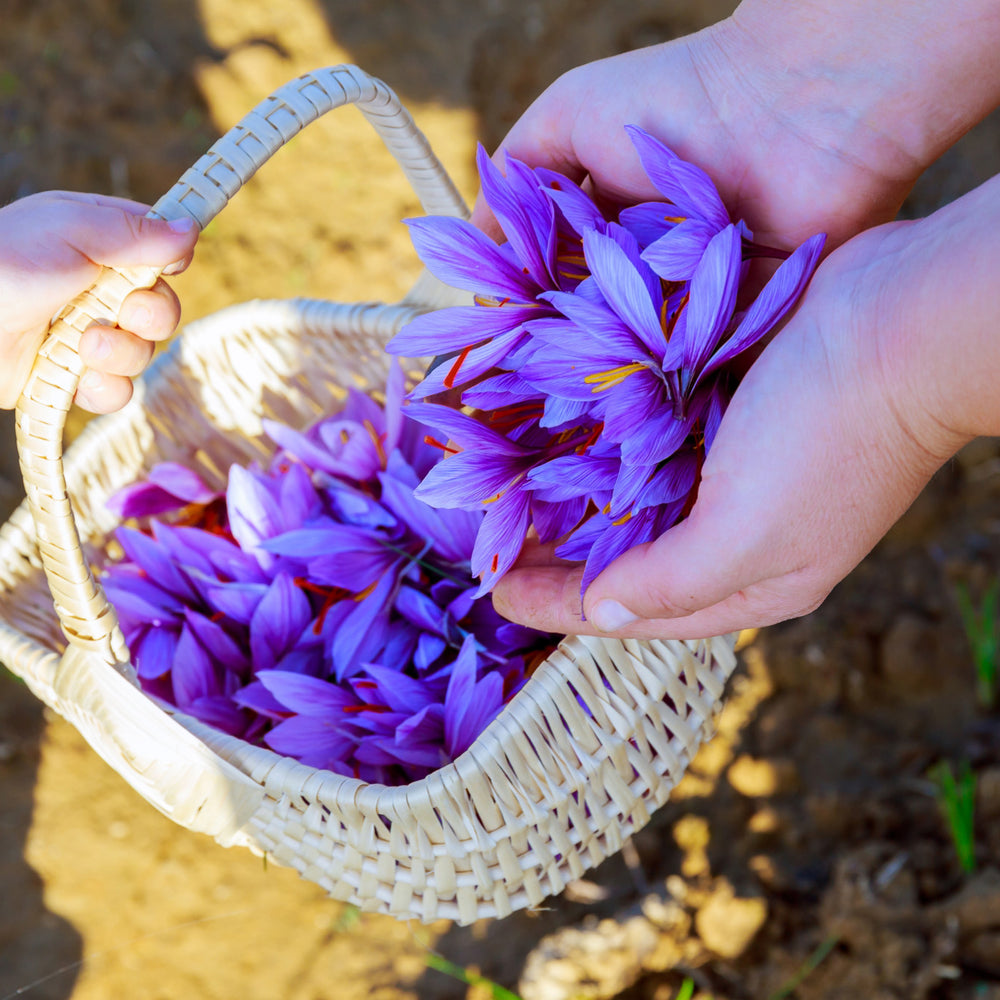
{"x": 87, "y": 618}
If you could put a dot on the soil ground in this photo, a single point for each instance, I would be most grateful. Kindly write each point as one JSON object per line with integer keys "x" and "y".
{"x": 807, "y": 830}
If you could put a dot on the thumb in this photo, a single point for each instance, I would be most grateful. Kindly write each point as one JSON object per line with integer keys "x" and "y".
{"x": 113, "y": 235}
{"x": 702, "y": 561}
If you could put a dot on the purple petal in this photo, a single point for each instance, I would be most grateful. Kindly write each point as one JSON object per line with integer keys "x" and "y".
{"x": 154, "y": 652}
{"x": 525, "y": 230}
{"x": 257, "y": 698}
{"x": 364, "y": 630}
{"x": 469, "y": 366}
{"x": 686, "y": 185}
{"x": 316, "y": 742}
{"x": 460, "y": 255}
{"x": 447, "y": 330}
{"x": 216, "y": 641}
{"x": 625, "y": 289}
{"x": 675, "y": 255}
{"x": 193, "y": 675}
{"x": 148, "y": 554}
{"x": 553, "y": 520}
{"x": 254, "y": 512}
{"x": 615, "y": 540}
{"x": 469, "y": 706}
{"x": 713, "y": 297}
{"x": 236, "y": 600}
{"x": 219, "y": 712}
{"x": 572, "y": 476}
{"x": 500, "y": 538}
{"x": 453, "y": 534}
{"x": 655, "y": 440}
{"x": 776, "y": 298}
{"x": 648, "y": 221}
{"x": 278, "y": 621}
{"x": 306, "y": 695}
{"x": 576, "y": 206}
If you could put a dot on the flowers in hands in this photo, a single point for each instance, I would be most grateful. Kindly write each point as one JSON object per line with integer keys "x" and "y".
{"x": 315, "y": 605}
{"x": 598, "y": 354}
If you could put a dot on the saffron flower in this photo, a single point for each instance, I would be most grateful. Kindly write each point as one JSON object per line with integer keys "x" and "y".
{"x": 594, "y": 368}
{"x": 315, "y": 605}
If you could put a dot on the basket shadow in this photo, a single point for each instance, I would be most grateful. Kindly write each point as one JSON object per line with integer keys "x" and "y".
{"x": 39, "y": 951}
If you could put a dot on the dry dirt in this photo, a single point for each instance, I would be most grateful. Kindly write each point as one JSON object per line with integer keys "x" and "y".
{"x": 809, "y": 823}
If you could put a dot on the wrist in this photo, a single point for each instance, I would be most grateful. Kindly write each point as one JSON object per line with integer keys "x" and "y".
{"x": 929, "y": 304}
{"x": 888, "y": 86}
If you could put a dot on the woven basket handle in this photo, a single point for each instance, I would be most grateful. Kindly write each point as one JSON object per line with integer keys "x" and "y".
{"x": 87, "y": 618}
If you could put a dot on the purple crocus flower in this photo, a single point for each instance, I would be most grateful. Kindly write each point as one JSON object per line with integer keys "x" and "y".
{"x": 319, "y": 607}
{"x": 602, "y": 389}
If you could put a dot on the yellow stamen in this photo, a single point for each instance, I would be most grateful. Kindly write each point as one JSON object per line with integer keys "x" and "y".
{"x": 623, "y": 519}
{"x": 374, "y": 435}
{"x": 613, "y": 376}
{"x": 483, "y": 300}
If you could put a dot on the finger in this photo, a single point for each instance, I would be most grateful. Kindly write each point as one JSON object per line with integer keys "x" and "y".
{"x": 152, "y": 314}
{"x": 102, "y": 393}
{"x": 100, "y": 200}
{"x": 547, "y": 598}
{"x": 114, "y": 234}
{"x": 111, "y": 351}
{"x": 543, "y": 597}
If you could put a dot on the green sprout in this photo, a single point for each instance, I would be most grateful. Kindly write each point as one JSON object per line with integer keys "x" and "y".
{"x": 807, "y": 968}
{"x": 981, "y": 630}
{"x": 441, "y": 964}
{"x": 686, "y": 992}
{"x": 958, "y": 801}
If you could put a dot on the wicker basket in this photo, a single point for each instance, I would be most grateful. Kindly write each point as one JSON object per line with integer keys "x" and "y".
{"x": 547, "y": 792}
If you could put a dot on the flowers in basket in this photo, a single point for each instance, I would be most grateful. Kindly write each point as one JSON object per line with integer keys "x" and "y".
{"x": 598, "y": 354}
{"x": 315, "y": 605}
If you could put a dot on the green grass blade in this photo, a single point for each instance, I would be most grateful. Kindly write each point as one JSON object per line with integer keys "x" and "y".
{"x": 807, "y": 968}
{"x": 441, "y": 964}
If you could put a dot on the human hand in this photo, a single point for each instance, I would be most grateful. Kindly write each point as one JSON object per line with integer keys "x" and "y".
{"x": 52, "y": 247}
{"x": 885, "y": 370}
{"x": 810, "y": 117}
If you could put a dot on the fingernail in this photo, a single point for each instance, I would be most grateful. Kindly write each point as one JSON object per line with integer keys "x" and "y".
{"x": 609, "y": 616}
{"x": 101, "y": 349}
{"x": 182, "y": 225}
{"x": 91, "y": 382}
{"x": 176, "y": 267}
{"x": 137, "y": 319}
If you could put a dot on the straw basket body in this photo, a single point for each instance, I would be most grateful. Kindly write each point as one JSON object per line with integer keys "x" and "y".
{"x": 578, "y": 761}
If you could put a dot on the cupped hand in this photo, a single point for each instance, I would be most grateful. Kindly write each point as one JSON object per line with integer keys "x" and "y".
{"x": 52, "y": 247}
{"x": 827, "y": 441}
{"x": 785, "y": 156}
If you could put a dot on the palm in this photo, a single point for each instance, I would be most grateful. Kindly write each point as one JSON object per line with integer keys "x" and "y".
{"x": 774, "y": 167}
{"x": 810, "y": 467}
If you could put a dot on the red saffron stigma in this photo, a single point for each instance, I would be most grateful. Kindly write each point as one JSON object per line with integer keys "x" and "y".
{"x": 437, "y": 444}
{"x": 449, "y": 379}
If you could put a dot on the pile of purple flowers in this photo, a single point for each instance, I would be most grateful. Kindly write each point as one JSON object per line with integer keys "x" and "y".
{"x": 597, "y": 352}
{"x": 316, "y": 605}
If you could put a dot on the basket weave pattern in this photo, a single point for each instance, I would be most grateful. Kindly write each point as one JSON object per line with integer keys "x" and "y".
{"x": 580, "y": 758}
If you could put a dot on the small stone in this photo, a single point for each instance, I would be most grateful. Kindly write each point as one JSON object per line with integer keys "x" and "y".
{"x": 757, "y": 778}
{"x": 911, "y": 657}
{"x": 988, "y": 793}
{"x": 983, "y": 951}
{"x": 977, "y": 905}
{"x": 727, "y": 923}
